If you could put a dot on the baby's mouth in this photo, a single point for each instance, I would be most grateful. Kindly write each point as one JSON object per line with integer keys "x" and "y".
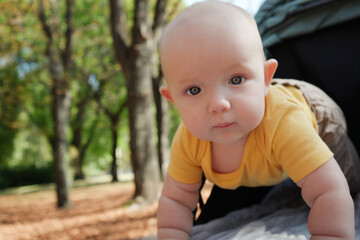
{"x": 224, "y": 125}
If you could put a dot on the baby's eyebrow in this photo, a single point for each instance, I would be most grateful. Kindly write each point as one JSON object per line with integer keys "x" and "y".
{"x": 186, "y": 80}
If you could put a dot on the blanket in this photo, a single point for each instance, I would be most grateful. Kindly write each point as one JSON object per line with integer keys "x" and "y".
{"x": 282, "y": 215}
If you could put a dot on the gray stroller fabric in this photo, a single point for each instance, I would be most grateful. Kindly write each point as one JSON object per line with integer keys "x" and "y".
{"x": 283, "y": 19}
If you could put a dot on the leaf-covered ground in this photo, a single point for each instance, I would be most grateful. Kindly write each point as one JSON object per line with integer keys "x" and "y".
{"x": 97, "y": 212}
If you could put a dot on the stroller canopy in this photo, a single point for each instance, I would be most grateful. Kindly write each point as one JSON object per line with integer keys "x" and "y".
{"x": 281, "y": 19}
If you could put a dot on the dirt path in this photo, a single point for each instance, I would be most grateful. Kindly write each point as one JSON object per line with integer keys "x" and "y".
{"x": 98, "y": 212}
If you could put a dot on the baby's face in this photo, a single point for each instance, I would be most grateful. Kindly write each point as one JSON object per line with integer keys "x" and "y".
{"x": 214, "y": 68}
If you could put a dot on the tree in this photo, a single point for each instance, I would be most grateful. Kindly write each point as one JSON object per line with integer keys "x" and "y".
{"x": 80, "y": 143}
{"x": 10, "y": 95}
{"x": 59, "y": 68}
{"x": 113, "y": 113}
{"x": 162, "y": 124}
{"x": 13, "y": 58}
{"x": 135, "y": 51}
{"x": 95, "y": 88}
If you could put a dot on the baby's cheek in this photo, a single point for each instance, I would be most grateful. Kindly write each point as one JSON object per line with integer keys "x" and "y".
{"x": 197, "y": 127}
{"x": 251, "y": 113}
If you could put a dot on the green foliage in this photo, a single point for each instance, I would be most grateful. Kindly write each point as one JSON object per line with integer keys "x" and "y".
{"x": 175, "y": 121}
{"x": 32, "y": 147}
{"x": 26, "y": 125}
{"x": 99, "y": 152}
{"x": 95, "y": 73}
{"x": 7, "y": 136}
{"x": 21, "y": 47}
{"x": 10, "y": 89}
{"x": 25, "y": 175}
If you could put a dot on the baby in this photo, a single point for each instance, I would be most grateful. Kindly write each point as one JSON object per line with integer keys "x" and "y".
{"x": 239, "y": 129}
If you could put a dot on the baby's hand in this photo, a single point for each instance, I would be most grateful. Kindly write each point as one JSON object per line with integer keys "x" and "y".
{"x": 332, "y": 209}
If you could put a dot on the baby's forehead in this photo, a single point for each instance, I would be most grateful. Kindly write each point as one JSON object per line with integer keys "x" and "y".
{"x": 209, "y": 14}
{"x": 214, "y": 11}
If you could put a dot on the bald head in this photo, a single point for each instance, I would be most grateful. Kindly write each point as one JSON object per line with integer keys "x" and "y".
{"x": 205, "y": 31}
{"x": 209, "y": 15}
{"x": 205, "y": 26}
{"x": 214, "y": 9}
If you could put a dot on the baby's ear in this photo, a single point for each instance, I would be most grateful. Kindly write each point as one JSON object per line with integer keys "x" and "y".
{"x": 165, "y": 92}
{"x": 270, "y": 67}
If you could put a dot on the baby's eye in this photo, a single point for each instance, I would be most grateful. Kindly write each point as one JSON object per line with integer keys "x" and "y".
{"x": 237, "y": 80}
{"x": 193, "y": 91}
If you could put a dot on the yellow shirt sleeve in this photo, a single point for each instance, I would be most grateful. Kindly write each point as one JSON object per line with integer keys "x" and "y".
{"x": 295, "y": 143}
{"x": 186, "y": 155}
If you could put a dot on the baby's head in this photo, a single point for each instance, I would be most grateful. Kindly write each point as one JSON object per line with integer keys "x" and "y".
{"x": 205, "y": 23}
{"x": 207, "y": 48}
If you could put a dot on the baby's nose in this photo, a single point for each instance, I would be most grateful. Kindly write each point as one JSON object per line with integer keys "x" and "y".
{"x": 219, "y": 104}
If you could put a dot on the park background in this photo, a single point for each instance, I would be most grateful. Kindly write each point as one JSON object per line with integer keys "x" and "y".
{"x": 80, "y": 106}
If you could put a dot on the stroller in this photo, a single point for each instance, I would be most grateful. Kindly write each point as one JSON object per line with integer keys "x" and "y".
{"x": 317, "y": 41}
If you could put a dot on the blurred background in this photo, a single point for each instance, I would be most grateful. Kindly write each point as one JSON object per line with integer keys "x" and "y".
{"x": 75, "y": 103}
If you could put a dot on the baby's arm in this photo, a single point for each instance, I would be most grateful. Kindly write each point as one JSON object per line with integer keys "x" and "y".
{"x": 332, "y": 209}
{"x": 176, "y": 204}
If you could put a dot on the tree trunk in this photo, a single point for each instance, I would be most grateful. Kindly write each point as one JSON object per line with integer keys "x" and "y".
{"x": 61, "y": 105}
{"x": 59, "y": 65}
{"x": 77, "y": 156}
{"x": 137, "y": 61}
{"x": 141, "y": 119}
{"x": 162, "y": 122}
{"x": 60, "y": 112}
{"x": 77, "y": 164}
{"x": 114, "y": 132}
{"x": 114, "y": 119}
{"x": 81, "y": 146}
{"x": 76, "y": 144}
